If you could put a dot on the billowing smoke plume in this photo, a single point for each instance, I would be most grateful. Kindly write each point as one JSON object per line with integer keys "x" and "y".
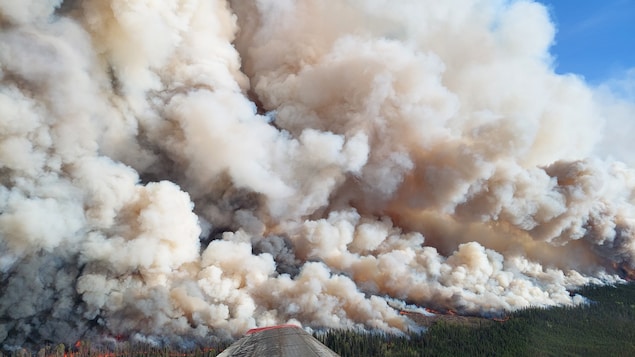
{"x": 173, "y": 170}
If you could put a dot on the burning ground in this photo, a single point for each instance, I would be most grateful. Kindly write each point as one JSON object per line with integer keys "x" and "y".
{"x": 175, "y": 170}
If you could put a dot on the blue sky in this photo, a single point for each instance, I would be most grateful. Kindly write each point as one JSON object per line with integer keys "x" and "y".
{"x": 594, "y": 38}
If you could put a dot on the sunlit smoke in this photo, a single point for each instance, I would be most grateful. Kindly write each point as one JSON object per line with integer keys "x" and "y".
{"x": 174, "y": 170}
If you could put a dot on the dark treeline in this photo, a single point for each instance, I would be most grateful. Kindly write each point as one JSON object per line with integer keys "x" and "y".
{"x": 604, "y": 327}
{"x": 124, "y": 350}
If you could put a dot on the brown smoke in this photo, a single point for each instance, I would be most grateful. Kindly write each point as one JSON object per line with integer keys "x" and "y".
{"x": 179, "y": 169}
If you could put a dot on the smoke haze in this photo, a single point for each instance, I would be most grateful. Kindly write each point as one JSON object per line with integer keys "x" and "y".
{"x": 172, "y": 170}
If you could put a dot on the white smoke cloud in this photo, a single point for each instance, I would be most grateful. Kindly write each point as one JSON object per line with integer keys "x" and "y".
{"x": 175, "y": 170}
{"x": 617, "y": 96}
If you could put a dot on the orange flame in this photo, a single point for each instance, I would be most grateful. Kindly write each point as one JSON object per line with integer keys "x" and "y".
{"x": 626, "y": 272}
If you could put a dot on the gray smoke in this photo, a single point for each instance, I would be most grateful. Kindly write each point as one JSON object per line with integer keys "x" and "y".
{"x": 174, "y": 170}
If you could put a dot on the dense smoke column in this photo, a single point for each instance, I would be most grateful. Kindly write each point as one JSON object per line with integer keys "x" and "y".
{"x": 472, "y": 139}
{"x": 175, "y": 170}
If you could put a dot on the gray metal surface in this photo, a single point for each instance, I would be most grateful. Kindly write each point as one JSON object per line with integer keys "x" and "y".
{"x": 285, "y": 341}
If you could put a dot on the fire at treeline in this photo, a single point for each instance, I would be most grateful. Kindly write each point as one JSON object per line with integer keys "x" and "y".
{"x": 606, "y": 326}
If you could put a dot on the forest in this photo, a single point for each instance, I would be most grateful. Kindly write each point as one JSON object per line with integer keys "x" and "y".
{"x": 603, "y": 327}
